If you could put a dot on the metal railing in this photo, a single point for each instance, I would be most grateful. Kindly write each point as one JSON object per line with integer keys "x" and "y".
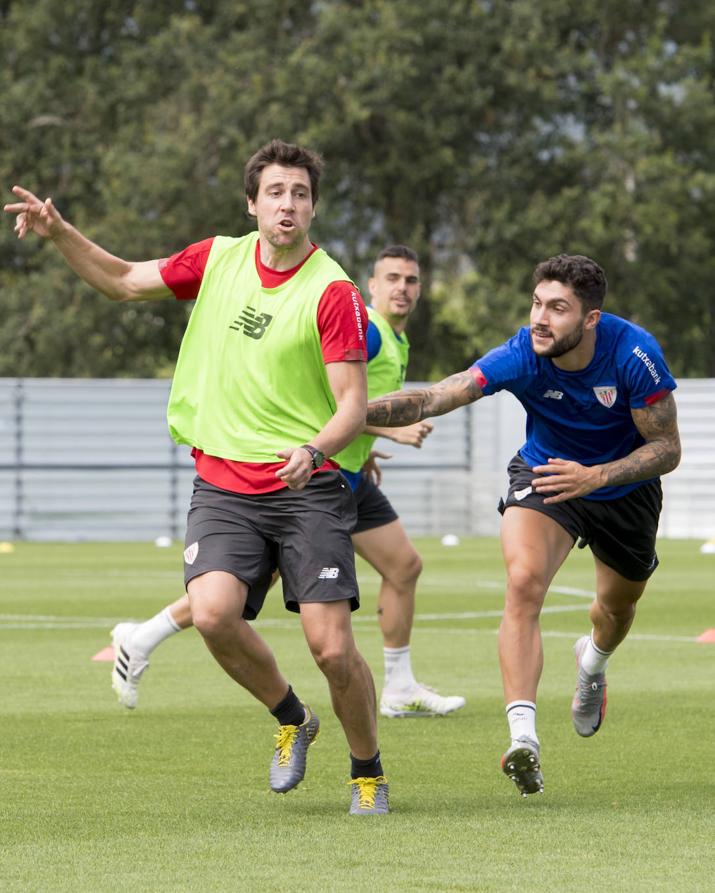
{"x": 91, "y": 459}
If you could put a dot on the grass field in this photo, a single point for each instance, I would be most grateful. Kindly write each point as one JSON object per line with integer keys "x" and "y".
{"x": 174, "y": 796}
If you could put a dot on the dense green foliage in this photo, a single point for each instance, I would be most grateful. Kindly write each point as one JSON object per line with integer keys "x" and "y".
{"x": 486, "y": 134}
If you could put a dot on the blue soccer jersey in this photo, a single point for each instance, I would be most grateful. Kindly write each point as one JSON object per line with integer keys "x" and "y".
{"x": 584, "y": 416}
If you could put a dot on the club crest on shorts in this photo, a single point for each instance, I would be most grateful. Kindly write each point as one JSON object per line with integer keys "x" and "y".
{"x": 190, "y": 553}
{"x": 606, "y": 395}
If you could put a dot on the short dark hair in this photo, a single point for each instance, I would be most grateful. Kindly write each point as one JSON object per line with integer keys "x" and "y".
{"x": 583, "y": 276}
{"x": 398, "y": 251}
{"x": 287, "y": 155}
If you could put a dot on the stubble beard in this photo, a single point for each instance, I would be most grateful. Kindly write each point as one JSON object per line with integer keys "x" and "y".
{"x": 561, "y": 346}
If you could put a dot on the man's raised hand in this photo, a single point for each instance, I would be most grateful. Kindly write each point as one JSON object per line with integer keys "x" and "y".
{"x": 34, "y": 215}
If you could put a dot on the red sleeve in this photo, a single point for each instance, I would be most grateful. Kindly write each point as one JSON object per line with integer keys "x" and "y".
{"x": 342, "y": 323}
{"x": 479, "y": 377}
{"x": 658, "y": 395}
{"x": 184, "y": 271}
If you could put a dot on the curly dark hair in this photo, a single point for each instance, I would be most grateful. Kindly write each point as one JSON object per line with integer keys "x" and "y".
{"x": 583, "y": 276}
{"x": 287, "y": 155}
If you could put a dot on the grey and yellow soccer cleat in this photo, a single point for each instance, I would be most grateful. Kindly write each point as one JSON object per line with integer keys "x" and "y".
{"x": 370, "y": 796}
{"x": 292, "y": 743}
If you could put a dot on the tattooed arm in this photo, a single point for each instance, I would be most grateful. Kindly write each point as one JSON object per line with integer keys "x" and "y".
{"x": 659, "y": 454}
{"x": 658, "y": 424}
{"x": 407, "y": 407}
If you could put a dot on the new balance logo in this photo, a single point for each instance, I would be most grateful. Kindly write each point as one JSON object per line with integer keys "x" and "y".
{"x": 252, "y": 324}
{"x": 329, "y": 573}
{"x": 554, "y": 395}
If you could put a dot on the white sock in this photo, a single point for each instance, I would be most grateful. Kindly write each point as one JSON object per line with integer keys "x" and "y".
{"x": 593, "y": 660}
{"x": 398, "y": 669}
{"x": 521, "y": 716}
{"x": 152, "y": 632}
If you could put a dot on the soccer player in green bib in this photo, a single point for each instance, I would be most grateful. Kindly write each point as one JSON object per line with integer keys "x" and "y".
{"x": 269, "y": 383}
{"x": 378, "y": 536}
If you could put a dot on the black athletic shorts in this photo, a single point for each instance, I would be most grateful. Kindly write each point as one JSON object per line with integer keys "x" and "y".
{"x": 305, "y": 533}
{"x": 373, "y": 507}
{"x": 620, "y": 532}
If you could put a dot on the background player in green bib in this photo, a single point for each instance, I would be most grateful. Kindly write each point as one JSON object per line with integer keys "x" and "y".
{"x": 270, "y": 381}
{"x": 378, "y": 536}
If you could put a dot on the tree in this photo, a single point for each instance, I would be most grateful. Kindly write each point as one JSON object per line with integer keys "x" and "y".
{"x": 488, "y": 135}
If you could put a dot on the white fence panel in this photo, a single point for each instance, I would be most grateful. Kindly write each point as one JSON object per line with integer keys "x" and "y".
{"x": 92, "y": 460}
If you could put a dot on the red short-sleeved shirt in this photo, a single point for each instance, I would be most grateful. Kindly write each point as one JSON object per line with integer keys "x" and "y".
{"x": 342, "y": 322}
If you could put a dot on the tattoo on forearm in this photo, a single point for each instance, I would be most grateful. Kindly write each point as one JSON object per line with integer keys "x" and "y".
{"x": 407, "y": 407}
{"x": 397, "y": 409}
{"x": 658, "y": 455}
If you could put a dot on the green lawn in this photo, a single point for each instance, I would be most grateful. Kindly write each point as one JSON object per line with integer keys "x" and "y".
{"x": 174, "y": 796}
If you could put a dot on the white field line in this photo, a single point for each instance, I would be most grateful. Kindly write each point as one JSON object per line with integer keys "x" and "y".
{"x": 63, "y": 623}
{"x": 555, "y": 634}
{"x": 59, "y": 622}
{"x": 31, "y": 621}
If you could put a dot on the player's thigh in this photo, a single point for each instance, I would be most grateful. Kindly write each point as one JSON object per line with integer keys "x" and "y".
{"x": 389, "y": 550}
{"x": 534, "y": 547}
{"x": 615, "y": 593}
{"x": 327, "y": 626}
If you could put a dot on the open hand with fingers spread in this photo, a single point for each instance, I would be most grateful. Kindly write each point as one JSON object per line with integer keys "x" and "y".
{"x": 371, "y": 469}
{"x": 34, "y": 215}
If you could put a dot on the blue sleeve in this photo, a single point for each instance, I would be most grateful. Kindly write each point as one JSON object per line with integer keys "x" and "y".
{"x": 374, "y": 341}
{"x": 647, "y": 374}
{"x": 505, "y": 365}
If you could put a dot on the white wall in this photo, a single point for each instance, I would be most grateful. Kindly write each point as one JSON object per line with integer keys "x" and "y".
{"x": 92, "y": 460}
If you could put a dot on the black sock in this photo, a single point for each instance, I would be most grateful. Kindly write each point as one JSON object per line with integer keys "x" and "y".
{"x": 290, "y": 712}
{"x": 371, "y": 768}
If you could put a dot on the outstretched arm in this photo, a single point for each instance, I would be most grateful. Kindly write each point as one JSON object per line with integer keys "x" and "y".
{"x": 118, "y": 279}
{"x": 660, "y": 454}
{"x": 407, "y": 407}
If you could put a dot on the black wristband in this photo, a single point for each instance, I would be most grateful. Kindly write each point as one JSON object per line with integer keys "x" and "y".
{"x": 316, "y": 457}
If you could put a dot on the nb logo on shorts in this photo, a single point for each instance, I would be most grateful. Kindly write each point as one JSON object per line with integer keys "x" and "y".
{"x": 329, "y": 573}
{"x": 254, "y": 325}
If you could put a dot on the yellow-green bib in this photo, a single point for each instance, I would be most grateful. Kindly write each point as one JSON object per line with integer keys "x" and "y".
{"x": 250, "y": 378}
{"x": 385, "y": 373}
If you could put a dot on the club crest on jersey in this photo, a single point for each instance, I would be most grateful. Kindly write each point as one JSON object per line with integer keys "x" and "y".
{"x": 606, "y": 395}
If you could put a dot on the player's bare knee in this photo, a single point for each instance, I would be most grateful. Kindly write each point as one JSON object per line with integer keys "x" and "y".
{"x": 622, "y": 615}
{"x": 405, "y": 570}
{"x": 210, "y": 619}
{"x": 414, "y": 566}
{"x": 333, "y": 659}
{"x": 525, "y": 590}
